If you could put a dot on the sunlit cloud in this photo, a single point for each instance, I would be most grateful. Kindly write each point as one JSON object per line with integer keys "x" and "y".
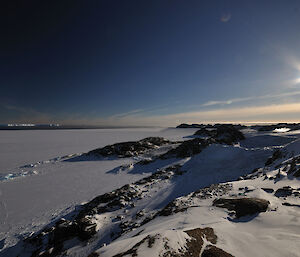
{"x": 238, "y": 114}
{"x": 211, "y": 103}
{"x": 226, "y": 102}
{"x": 127, "y": 113}
{"x": 295, "y": 81}
{"x": 293, "y": 62}
{"x": 244, "y": 99}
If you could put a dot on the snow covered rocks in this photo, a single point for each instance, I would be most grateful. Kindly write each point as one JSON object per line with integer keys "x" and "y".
{"x": 243, "y": 206}
{"x": 188, "y": 148}
{"x": 129, "y": 149}
{"x": 194, "y": 242}
{"x": 285, "y": 191}
{"x": 227, "y": 134}
{"x": 213, "y": 251}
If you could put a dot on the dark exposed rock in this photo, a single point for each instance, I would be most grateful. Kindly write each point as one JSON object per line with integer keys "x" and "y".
{"x": 293, "y": 165}
{"x": 208, "y": 233}
{"x": 207, "y": 192}
{"x": 181, "y": 205}
{"x": 94, "y": 254}
{"x": 129, "y": 149}
{"x": 213, "y": 251}
{"x": 243, "y": 206}
{"x": 284, "y": 191}
{"x": 194, "y": 246}
{"x": 249, "y": 189}
{"x": 172, "y": 208}
{"x": 188, "y": 148}
{"x": 277, "y": 154}
{"x": 204, "y": 132}
{"x": 86, "y": 228}
{"x": 184, "y": 125}
{"x": 268, "y": 190}
{"x": 227, "y": 134}
{"x": 133, "y": 251}
{"x": 219, "y": 133}
{"x": 63, "y": 230}
{"x": 272, "y": 127}
{"x": 83, "y": 228}
{"x": 291, "y": 204}
{"x": 297, "y": 173}
{"x": 54, "y": 237}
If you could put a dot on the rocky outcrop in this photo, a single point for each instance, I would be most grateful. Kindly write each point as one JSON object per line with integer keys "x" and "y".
{"x": 287, "y": 191}
{"x": 227, "y": 134}
{"x": 149, "y": 240}
{"x": 182, "y": 204}
{"x": 272, "y": 127}
{"x": 277, "y": 154}
{"x": 184, "y": 125}
{"x": 193, "y": 246}
{"x": 188, "y": 148}
{"x": 213, "y": 251}
{"x": 291, "y": 167}
{"x": 243, "y": 206}
{"x": 129, "y": 149}
{"x": 51, "y": 239}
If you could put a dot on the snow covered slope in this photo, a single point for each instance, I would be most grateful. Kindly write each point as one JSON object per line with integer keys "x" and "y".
{"x": 37, "y": 185}
{"x": 240, "y": 199}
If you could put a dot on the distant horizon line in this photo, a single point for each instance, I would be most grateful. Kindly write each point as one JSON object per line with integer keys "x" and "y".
{"x": 56, "y": 126}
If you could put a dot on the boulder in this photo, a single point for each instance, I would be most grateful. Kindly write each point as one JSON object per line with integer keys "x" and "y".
{"x": 284, "y": 191}
{"x": 243, "y": 206}
{"x": 87, "y": 228}
{"x": 268, "y": 190}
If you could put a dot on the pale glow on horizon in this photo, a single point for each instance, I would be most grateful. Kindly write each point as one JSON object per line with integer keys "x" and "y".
{"x": 296, "y": 81}
{"x": 251, "y": 114}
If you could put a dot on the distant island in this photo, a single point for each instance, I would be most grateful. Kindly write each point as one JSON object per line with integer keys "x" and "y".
{"x": 269, "y": 127}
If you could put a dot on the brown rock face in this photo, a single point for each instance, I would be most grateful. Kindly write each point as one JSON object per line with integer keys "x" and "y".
{"x": 194, "y": 246}
{"x": 213, "y": 251}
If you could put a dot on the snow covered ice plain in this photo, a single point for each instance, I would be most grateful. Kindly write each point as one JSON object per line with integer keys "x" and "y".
{"x": 44, "y": 177}
{"x": 29, "y": 202}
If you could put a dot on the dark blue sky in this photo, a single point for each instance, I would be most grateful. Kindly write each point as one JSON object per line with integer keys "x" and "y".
{"x": 149, "y": 62}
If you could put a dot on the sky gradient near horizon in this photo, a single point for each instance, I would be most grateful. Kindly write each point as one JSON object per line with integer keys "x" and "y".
{"x": 150, "y": 62}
